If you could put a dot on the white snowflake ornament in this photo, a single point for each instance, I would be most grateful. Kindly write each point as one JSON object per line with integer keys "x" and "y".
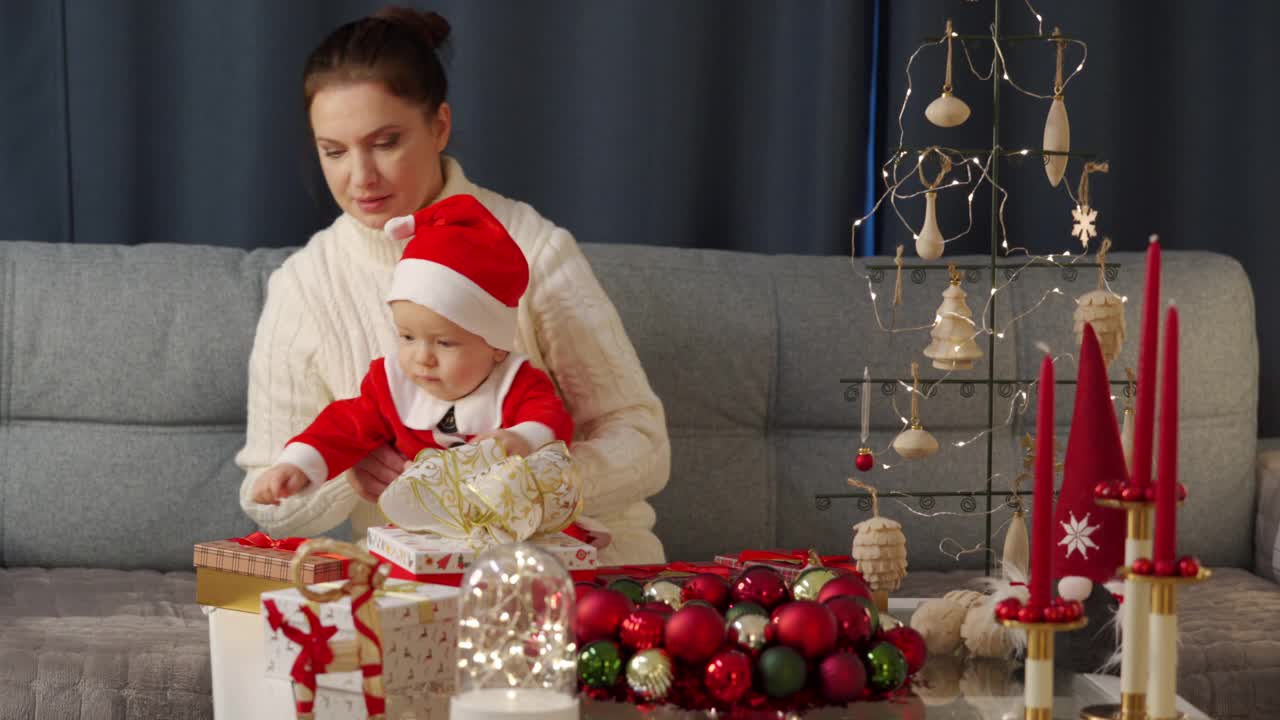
{"x": 1084, "y": 217}
{"x": 1076, "y": 536}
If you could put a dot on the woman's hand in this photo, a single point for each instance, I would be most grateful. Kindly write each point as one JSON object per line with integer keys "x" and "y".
{"x": 512, "y": 443}
{"x": 279, "y": 482}
{"x": 376, "y": 471}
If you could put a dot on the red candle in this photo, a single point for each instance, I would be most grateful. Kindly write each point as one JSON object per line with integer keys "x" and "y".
{"x": 1166, "y": 530}
{"x": 1145, "y": 415}
{"x": 1042, "y": 500}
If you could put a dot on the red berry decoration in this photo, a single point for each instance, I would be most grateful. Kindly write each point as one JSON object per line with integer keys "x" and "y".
{"x": 1166, "y": 568}
{"x": 806, "y": 625}
{"x": 1131, "y": 493}
{"x": 1188, "y": 566}
{"x": 843, "y": 678}
{"x": 1074, "y": 611}
{"x": 1105, "y": 490}
{"x": 1055, "y": 614}
{"x": 865, "y": 460}
{"x": 642, "y": 629}
{"x": 712, "y": 589}
{"x": 1142, "y": 566}
{"x": 1150, "y": 493}
{"x": 761, "y": 585}
{"x": 852, "y": 585}
{"x": 1030, "y": 614}
{"x": 1182, "y": 492}
{"x": 1008, "y": 608}
{"x": 912, "y": 645}
{"x": 598, "y": 615}
{"x": 694, "y": 634}
{"x": 852, "y": 620}
{"x": 728, "y": 676}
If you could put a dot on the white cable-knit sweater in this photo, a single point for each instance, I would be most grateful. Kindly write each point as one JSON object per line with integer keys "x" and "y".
{"x": 325, "y": 319}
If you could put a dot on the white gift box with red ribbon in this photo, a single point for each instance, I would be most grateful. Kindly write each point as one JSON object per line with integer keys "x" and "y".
{"x": 426, "y": 557}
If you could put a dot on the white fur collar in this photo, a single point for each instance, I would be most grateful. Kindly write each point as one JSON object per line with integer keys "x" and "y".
{"x": 481, "y": 411}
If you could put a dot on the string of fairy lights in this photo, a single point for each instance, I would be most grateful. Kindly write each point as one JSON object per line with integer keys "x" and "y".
{"x": 968, "y": 171}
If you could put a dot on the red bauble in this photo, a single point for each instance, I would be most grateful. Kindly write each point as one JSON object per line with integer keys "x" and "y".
{"x": 1166, "y": 568}
{"x": 843, "y": 678}
{"x": 598, "y": 615}
{"x": 694, "y": 633}
{"x": 1132, "y": 493}
{"x": 865, "y": 460}
{"x": 1105, "y": 490}
{"x": 1008, "y": 608}
{"x": 642, "y": 629}
{"x": 852, "y": 620}
{"x": 1030, "y": 614}
{"x": 709, "y": 588}
{"x": 852, "y": 585}
{"x": 1055, "y": 614}
{"x": 1142, "y": 566}
{"x": 804, "y": 625}
{"x": 1188, "y": 566}
{"x": 661, "y": 608}
{"x": 761, "y": 585}
{"x": 728, "y": 676}
{"x": 1074, "y": 610}
{"x": 912, "y": 645}
{"x": 582, "y": 588}
{"x": 1181, "y": 492}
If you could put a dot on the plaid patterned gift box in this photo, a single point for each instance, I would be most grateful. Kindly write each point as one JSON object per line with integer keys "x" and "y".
{"x": 233, "y": 573}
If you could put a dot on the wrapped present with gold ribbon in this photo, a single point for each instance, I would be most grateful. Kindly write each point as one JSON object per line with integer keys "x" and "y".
{"x": 449, "y": 505}
{"x": 232, "y": 574}
{"x": 339, "y": 635}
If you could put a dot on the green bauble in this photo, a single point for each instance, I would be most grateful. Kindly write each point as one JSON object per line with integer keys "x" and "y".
{"x": 782, "y": 671}
{"x": 872, "y": 611}
{"x": 630, "y": 588}
{"x": 744, "y": 608}
{"x": 886, "y": 667}
{"x": 810, "y": 582}
{"x": 600, "y": 664}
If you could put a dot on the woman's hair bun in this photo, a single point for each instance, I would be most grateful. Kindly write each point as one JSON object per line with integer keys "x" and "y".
{"x": 430, "y": 26}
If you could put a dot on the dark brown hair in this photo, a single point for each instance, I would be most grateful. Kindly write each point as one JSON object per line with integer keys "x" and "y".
{"x": 397, "y": 47}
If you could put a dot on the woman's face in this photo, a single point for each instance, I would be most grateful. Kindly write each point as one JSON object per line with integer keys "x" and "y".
{"x": 379, "y": 153}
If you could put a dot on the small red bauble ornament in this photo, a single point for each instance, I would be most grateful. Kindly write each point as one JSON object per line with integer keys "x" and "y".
{"x": 1131, "y": 494}
{"x": 642, "y": 629}
{"x": 1030, "y": 614}
{"x": 712, "y": 589}
{"x": 694, "y": 633}
{"x": 1182, "y": 492}
{"x": 1188, "y": 566}
{"x": 852, "y": 620}
{"x": 843, "y": 678}
{"x": 1166, "y": 568}
{"x": 1104, "y": 490}
{"x": 1142, "y": 566}
{"x": 1055, "y": 614}
{"x": 805, "y": 625}
{"x": 598, "y": 615}
{"x": 1008, "y": 608}
{"x": 865, "y": 460}
{"x": 728, "y": 676}
{"x": 761, "y": 585}
{"x": 661, "y": 608}
{"x": 1074, "y": 610}
{"x": 1150, "y": 493}
{"x": 852, "y": 585}
{"x": 912, "y": 645}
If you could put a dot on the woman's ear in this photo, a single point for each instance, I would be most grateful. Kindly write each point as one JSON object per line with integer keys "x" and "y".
{"x": 442, "y": 126}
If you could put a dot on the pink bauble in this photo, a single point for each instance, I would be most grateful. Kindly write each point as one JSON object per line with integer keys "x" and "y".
{"x": 843, "y": 677}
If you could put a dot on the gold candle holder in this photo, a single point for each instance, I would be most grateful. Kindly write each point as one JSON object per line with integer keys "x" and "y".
{"x": 1162, "y": 677}
{"x": 1038, "y": 674}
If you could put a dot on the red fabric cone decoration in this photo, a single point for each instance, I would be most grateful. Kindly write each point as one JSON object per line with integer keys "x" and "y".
{"x": 1088, "y": 540}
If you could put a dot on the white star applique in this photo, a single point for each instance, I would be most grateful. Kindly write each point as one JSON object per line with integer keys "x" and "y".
{"x": 1077, "y": 535}
{"x": 1085, "y": 217}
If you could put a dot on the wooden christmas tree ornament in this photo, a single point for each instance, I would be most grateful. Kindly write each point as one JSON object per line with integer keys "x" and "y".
{"x": 953, "y": 333}
{"x": 1104, "y": 310}
{"x": 1057, "y": 129}
{"x": 880, "y": 550}
{"x": 947, "y": 110}
{"x": 915, "y": 442}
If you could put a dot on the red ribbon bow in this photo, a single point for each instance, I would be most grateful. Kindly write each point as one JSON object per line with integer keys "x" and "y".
{"x": 262, "y": 540}
{"x": 315, "y": 654}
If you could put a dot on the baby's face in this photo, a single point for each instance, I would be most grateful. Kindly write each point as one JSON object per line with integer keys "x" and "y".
{"x": 438, "y": 355}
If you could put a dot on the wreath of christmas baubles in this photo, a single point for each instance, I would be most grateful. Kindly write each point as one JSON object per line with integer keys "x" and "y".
{"x": 750, "y": 641}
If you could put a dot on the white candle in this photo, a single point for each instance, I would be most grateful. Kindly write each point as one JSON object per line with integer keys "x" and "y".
{"x": 1137, "y": 608}
{"x": 1038, "y": 674}
{"x": 513, "y": 704}
{"x": 1162, "y": 687}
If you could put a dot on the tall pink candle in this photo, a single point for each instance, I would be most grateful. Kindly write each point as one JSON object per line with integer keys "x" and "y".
{"x": 1145, "y": 416}
{"x": 1166, "y": 530}
{"x": 1042, "y": 500}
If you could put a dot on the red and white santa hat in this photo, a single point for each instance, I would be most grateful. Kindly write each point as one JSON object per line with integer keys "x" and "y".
{"x": 461, "y": 263}
{"x": 1088, "y": 540}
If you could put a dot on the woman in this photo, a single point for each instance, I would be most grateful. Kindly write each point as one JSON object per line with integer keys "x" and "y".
{"x": 375, "y": 91}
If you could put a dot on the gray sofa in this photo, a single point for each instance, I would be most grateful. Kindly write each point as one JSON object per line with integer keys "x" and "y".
{"x": 122, "y": 399}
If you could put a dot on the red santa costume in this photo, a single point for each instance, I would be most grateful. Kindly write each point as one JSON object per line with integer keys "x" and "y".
{"x": 462, "y": 264}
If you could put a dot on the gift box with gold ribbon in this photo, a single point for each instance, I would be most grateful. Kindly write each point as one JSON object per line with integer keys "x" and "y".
{"x": 233, "y": 573}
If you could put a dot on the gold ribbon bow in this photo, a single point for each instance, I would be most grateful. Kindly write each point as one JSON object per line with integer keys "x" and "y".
{"x": 479, "y": 494}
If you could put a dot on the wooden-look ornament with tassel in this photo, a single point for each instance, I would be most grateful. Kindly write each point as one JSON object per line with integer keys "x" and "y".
{"x": 915, "y": 442}
{"x": 947, "y": 110}
{"x": 1015, "y": 557}
{"x": 1104, "y": 310}
{"x": 1057, "y": 129}
{"x": 880, "y": 550}
{"x": 953, "y": 333}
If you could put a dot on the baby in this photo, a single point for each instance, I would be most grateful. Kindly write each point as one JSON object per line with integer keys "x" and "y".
{"x": 454, "y": 379}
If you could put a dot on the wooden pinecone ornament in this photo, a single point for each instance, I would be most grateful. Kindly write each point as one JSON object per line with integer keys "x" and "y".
{"x": 1104, "y": 310}
{"x": 880, "y": 550}
{"x": 953, "y": 333}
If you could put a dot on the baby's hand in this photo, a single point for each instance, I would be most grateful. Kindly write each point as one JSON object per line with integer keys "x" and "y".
{"x": 511, "y": 442}
{"x": 279, "y": 482}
